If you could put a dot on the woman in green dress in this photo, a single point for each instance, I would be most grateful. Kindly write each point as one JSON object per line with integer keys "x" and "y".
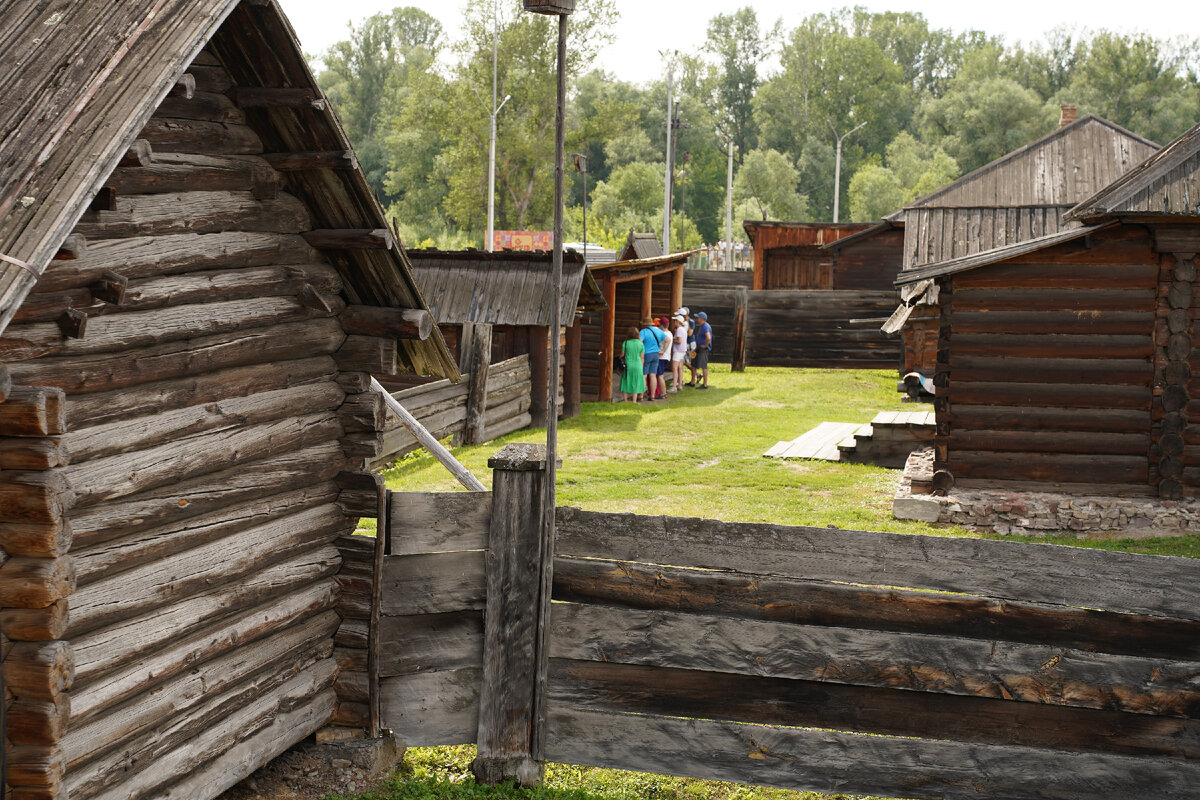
{"x": 632, "y": 382}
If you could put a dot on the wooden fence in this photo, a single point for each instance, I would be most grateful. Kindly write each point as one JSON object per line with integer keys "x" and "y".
{"x": 792, "y": 327}
{"x": 804, "y": 658}
{"x": 442, "y": 408}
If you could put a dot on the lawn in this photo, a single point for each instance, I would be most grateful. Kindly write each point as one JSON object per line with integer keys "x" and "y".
{"x": 697, "y": 454}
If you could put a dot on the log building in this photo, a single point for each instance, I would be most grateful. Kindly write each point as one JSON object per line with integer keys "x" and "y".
{"x": 1020, "y": 196}
{"x": 1067, "y": 362}
{"x": 505, "y": 296}
{"x": 196, "y": 284}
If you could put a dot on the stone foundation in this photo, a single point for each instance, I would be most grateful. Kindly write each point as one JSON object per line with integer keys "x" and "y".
{"x": 1042, "y": 513}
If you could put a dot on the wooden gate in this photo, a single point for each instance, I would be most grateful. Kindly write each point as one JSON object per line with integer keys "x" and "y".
{"x": 804, "y": 658}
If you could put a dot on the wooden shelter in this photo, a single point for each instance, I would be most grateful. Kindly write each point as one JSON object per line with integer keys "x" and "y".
{"x": 1065, "y": 362}
{"x": 506, "y": 297}
{"x": 632, "y": 290}
{"x": 793, "y": 255}
{"x": 1020, "y": 196}
{"x": 196, "y": 284}
{"x": 639, "y": 246}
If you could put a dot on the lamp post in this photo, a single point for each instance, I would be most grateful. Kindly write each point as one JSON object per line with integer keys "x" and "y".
{"x": 581, "y": 166}
{"x": 491, "y": 229}
{"x": 837, "y": 168}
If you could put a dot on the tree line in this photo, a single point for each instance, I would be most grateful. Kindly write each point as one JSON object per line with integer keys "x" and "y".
{"x": 933, "y": 105}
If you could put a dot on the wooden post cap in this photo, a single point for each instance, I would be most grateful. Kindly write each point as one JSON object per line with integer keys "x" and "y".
{"x": 520, "y": 457}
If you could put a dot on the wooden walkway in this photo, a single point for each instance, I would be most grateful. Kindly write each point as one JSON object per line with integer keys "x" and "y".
{"x": 838, "y": 441}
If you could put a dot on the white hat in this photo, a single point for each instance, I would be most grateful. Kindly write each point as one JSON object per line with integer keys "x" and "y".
{"x": 682, "y": 312}
{"x": 678, "y": 318}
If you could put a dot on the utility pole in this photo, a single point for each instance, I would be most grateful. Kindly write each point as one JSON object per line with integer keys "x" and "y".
{"x": 494, "y": 111}
{"x": 581, "y": 166}
{"x": 729, "y": 210}
{"x": 666, "y": 232}
{"x": 837, "y": 168}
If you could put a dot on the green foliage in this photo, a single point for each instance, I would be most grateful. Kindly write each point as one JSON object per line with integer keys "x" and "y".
{"x": 912, "y": 169}
{"x": 768, "y": 180}
{"x": 631, "y": 198}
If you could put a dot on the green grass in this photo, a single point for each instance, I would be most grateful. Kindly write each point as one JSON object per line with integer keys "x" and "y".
{"x": 698, "y": 454}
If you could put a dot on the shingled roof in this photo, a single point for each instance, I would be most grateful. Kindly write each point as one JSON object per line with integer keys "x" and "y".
{"x": 80, "y": 79}
{"x": 1165, "y": 184}
{"x": 640, "y": 246}
{"x": 1055, "y": 170}
{"x": 508, "y": 287}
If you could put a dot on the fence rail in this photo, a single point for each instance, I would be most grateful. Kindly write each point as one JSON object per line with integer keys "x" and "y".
{"x": 815, "y": 658}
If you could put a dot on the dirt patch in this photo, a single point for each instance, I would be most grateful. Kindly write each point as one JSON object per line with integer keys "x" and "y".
{"x": 307, "y": 771}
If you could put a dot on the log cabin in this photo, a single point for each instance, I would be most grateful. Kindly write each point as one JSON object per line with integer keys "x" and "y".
{"x": 632, "y": 290}
{"x": 196, "y": 284}
{"x": 1020, "y": 196}
{"x": 505, "y": 296}
{"x": 1067, "y": 362}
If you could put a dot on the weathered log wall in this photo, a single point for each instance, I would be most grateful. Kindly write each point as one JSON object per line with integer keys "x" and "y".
{"x": 813, "y": 658}
{"x": 178, "y": 461}
{"x": 1046, "y": 368}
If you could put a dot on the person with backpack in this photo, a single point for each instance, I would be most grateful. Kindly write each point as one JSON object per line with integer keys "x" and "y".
{"x": 631, "y": 379}
{"x": 704, "y": 340}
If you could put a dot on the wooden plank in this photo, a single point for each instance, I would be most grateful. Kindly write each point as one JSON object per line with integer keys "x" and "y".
{"x": 1115, "y": 371}
{"x": 1042, "y": 441}
{"x": 439, "y": 522}
{"x": 1066, "y": 322}
{"x": 820, "y": 442}
{"x": 916, "y": 662}
{"x": 1051, "y": 467}
{"x": 433, "y": 583}
{"x": 430, "y": 643}
{"x": 428, "y": 709}
{"x": 1078, "y": 577}
{"x": 1043, "y": 418}
{"x": 806, "y": 704}
{"x": 653, "y": 586}
{"x": 1060, "y": 395}
{"x": 833, "y": 762}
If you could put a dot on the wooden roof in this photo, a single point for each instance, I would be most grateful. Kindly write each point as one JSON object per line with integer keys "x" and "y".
{"x": 1058, "y": 169}
{"x": 1165, "y": 184}
{"x": 503, "y": 288}
{"x": 983, "y": 259}
{"x": 637, "y": 267}
{"x": 78, "y": 82}
{"x": 801, "y": 234}
{"x": 640, "y": 246}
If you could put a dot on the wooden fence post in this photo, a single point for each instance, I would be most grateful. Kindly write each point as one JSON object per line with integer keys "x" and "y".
{"x": 737, "y": 361}
{"x": 571, "y": 369}
{"x": 519, "y": 564}
{"x": 476, "y": 360}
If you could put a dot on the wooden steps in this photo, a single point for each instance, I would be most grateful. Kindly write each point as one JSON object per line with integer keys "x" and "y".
{"x": 885, "y": 441}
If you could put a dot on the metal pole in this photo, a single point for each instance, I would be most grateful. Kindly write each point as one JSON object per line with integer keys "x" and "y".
{"x": 837, "y": 167}
{"x": 666, "y": 233}
{"x": 729, "y": 210}
{"x": 491, "y": 229}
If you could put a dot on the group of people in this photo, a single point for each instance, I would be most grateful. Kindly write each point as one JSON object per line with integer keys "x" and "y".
{"x": 661, "y": 346}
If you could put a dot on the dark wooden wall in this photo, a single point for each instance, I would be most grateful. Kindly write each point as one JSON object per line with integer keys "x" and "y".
{"x": 870, "y": 263}
{"x": 1046, "y": 366}
{"x": 190, "y": 472}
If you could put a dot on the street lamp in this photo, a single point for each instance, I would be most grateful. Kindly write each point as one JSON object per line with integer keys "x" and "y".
{"x": 837, "y": 169}
{"x": 491, "y": 229}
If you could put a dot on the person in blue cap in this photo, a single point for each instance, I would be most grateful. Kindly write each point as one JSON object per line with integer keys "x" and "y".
{"x": 703, "y": 348}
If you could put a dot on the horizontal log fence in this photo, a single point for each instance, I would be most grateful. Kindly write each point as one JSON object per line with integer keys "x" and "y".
{"x": 443, "y": 408}
{"x": 805, "y": 658}
{"x": 794, "y": 327}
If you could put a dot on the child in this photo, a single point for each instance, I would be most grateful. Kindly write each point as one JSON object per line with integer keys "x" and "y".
{"x": 632, "y": 382}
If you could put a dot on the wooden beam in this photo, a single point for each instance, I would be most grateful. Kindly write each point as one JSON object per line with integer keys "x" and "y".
{"x": 272, "y": 97}
{"x": 608, "y": 335}
{"x": 428, "y": 441}
{"x": 396, "y": 323}
{"x": 477, "y": 364}
{"x": 519, "y": 554}
{"x": 184, "y": 87}
{"x": 139, "y": 154}
{"x": 317, "y": 159}
{"x": 73, "y": 323}
{"x": 110, "y": 287}
{"x": 571, "y": 369}
{"x": 539, "y": 378}
{"x": 73, "y": 247}
{"x": 647, "y": 297}
{"x": 350, "y": 239}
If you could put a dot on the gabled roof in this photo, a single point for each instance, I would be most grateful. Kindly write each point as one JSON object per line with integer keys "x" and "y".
{"x": 810, "y": 234}
{"x": 643, "y": 265}
{"x": 640, "y": 245}
{"x": 1165, "y": 184}
{"x": 78, "y": 82}
{"x": 1056, "y": 170}
{"x": 866, "y": 233}
{"x": 508, "y": 287}
{"x": 977, "y": 260}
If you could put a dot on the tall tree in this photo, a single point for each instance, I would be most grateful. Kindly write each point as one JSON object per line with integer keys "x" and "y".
{"x": 738, "y": 45}
{"x": 368, "y": 77}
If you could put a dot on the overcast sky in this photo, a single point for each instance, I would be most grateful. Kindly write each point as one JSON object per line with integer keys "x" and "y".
{"x": 648, "y": 26}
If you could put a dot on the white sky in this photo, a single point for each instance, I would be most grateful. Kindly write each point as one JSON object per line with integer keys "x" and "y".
{"x": 649, "y": 26}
